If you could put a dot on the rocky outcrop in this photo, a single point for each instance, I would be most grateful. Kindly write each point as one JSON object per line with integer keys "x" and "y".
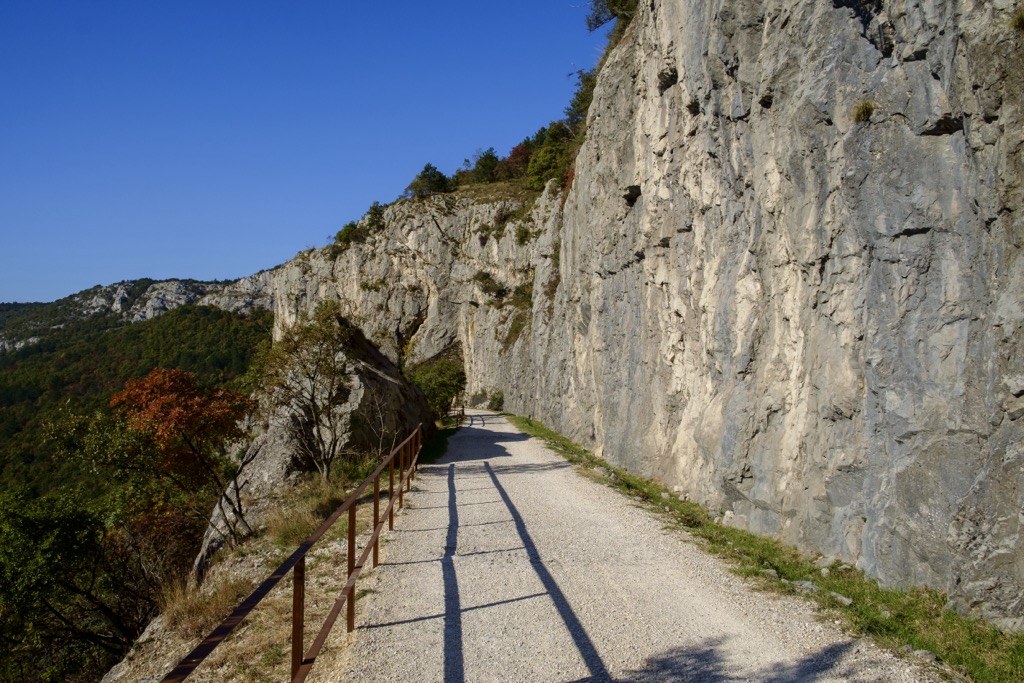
{"x": 787, "y": 279}
{"x": 136, "y": 301}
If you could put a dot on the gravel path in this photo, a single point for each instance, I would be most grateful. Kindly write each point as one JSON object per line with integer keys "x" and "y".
{"x": 508, "y": 566}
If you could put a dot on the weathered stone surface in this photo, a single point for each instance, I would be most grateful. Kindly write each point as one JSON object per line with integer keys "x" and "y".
{"x": 137, "y": 302}
{"x": 806, "y": 321}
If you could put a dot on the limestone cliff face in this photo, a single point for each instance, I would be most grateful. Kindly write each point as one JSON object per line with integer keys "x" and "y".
{"x": 125, "y": 300}
{"x": 809, "y": 322}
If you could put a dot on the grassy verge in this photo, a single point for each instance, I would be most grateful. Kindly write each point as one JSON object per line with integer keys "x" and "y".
{"x": 897, "y": 619}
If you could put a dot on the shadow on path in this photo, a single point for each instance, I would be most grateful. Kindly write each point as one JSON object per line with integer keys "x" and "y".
{"x": 706, "y": 664}
{"x": 454, "y": 666}
{"x": 591, "y": 658}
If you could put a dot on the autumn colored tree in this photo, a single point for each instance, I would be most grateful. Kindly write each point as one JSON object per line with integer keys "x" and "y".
{"x": 190, "y": 427}
{"x": 515, "y": 164}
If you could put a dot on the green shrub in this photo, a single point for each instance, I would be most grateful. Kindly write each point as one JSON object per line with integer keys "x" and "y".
{"x": 483, "y": 168}
{"x": 576, "y": 112}
{"x": 357, "y": 233}
{"x": 551, "y": 287}
{"x": 375, "y": 217}
{"x": 523, "y": 234}
{"x": 1017, "y": 20}
{"x": 554, "y": 150}
{"x": 490, "y": 286}
{"x": 496, "y": 401}
{"x": 603, "y": 11}
{"x": 862, "y": 111}
{"x": 442, "y": 380}
{"x": 522, "y": 296}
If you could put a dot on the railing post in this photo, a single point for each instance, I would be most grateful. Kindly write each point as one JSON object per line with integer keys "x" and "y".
{"x": 351, "y": 568}
{"x": 417, "y": 443}
{"x": 391, "y": 492}
{"x": 376, "y": 520}
{"x": 408, "y": 463}
{"x": 298, "y": 612}
{"x": 401, "y": 475}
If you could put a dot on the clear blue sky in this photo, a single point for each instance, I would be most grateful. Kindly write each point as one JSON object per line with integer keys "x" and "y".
{"x": 210, "y": 139}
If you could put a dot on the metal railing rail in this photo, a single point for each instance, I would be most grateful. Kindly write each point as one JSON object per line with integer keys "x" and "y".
{"x": 407, "y": 455}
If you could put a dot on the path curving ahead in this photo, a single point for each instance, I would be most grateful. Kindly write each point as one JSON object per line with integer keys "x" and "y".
{"x": 509, "y": 566}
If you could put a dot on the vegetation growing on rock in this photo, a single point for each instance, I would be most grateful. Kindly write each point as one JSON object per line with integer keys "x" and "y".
{"x": 442, "y": 379}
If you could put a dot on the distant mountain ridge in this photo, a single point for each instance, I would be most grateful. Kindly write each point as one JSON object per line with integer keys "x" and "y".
{"x": 130, "y": 301}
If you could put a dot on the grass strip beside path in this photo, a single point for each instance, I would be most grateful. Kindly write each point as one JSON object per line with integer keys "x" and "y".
{"x": 912, "y": 618}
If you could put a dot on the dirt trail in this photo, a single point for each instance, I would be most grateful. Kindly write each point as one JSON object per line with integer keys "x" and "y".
{"x": 509, "y": 566}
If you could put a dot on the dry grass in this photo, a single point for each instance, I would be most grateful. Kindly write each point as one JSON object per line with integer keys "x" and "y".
{"x": 863, "y": 110}
{"x": 192, "y": 613}
{"x": 259, "y": 649}
{"x": 288, "y": 527}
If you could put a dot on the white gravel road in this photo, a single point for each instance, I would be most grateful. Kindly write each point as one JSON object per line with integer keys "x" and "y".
{"x": 509, "y": 566}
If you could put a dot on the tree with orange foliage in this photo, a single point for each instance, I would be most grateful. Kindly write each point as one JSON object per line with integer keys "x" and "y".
{"x": 190, "y": 427}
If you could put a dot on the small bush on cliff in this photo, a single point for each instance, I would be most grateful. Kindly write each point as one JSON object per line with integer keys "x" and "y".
{"x": 603, "y": 11}
{"x": 307, "y": 373}
{"x": 490, "y": 286}
{"x": 520, "y": 321}
{"x": 482, "y": 169}
{"x": 357, "y": 233}
{"x": 863, "y": 110}
{"x": 1017, "y": 20}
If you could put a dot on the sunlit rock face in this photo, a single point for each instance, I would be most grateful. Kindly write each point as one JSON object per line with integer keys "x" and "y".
{"x": 786, "y": 279}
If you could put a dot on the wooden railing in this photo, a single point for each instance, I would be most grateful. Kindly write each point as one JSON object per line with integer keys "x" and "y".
{"x": 403, "y": 458}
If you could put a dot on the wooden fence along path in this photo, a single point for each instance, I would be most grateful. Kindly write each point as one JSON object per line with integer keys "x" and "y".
{"x": 403, "y": 459}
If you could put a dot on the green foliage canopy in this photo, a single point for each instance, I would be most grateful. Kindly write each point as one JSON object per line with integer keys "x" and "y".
{"x": 80, "y": 365}
{"x": 442, "y": 380}
{"x": 427, "y": 182}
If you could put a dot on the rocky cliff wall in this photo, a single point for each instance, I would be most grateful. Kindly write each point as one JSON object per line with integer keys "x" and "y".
{"x": 787, "y": 279}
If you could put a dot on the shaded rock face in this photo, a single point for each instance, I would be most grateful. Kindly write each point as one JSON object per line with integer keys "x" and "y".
{"x": 787, "y": 279}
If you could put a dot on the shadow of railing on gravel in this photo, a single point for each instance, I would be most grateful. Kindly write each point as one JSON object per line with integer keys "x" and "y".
{"x": 706, "y": 663}
{"x": 591, "y": 658}
{"x": 454, "y": 669}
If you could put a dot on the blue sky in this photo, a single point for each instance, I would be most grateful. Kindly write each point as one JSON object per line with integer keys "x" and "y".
{"x": 212, "y": 139}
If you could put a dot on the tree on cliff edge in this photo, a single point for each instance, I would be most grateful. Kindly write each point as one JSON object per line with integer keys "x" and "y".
{"x": 603, "y": 11}
{"x": 427, "y": 182}
{"x": 307, "y": 374}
